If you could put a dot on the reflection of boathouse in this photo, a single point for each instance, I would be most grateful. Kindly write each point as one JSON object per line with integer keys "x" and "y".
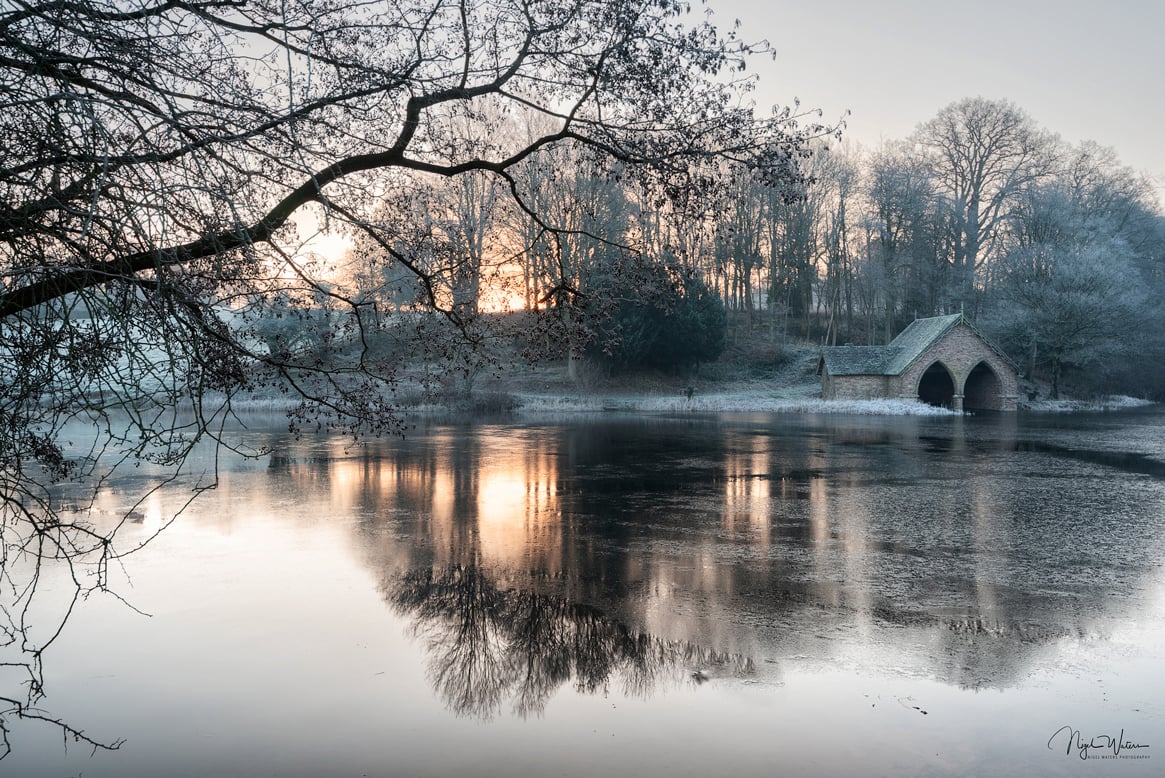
{"x": 942, "y": 360}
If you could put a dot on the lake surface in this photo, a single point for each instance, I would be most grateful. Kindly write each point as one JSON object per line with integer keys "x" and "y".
{"x": 639, "y": 596}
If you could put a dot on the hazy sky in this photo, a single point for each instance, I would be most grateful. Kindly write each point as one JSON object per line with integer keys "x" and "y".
{"x": 1084, "y": 70}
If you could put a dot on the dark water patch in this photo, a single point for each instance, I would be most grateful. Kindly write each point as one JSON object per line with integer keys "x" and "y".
{"x": 1127, "y": 461}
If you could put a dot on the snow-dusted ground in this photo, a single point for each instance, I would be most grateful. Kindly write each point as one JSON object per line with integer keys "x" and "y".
{"x": 724, "y": 403}
{"x": 1109, "y": 403}
{"x": 739, "y": 401}
{"x": 728, "y": 402}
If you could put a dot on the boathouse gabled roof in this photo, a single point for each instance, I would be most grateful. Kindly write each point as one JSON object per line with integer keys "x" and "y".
{"x": 917, "y": 338}
{"x": 855, "y": 360}
{"x": 901, "y": 353}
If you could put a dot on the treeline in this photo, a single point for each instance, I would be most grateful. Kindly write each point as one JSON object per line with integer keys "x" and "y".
{"x": 1056, "y": 250}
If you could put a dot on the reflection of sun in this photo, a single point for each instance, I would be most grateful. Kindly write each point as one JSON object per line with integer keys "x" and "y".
{"x": 517, "y": 510}
{"x": 747, "y": 491}
{"x": 443, "y": 491}
{"x": 501, "y": 498}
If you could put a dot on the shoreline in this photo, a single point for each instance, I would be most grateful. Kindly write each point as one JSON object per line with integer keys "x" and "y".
{"x": 743, "y": 402}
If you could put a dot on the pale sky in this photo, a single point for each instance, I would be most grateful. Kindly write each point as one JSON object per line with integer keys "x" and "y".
{"x": 1086, "y": 70}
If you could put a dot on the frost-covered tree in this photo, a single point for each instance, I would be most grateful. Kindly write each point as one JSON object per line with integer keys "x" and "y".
{"x": 1077, "y": 284}
{"x": 1072, "y": 305}
{"x": 983, "y": 154}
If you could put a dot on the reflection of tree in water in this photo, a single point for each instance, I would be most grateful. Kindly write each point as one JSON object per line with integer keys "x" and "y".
{"x": 48, "y": 564}
{"x": 487, "y": 645}
{"x": 976, "y": 650}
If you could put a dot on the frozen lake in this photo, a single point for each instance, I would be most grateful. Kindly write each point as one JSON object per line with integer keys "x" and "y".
{"x": 638, "y": 596}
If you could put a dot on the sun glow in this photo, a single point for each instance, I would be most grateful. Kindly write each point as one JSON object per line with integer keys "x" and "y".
{"x": 503, "y": 290}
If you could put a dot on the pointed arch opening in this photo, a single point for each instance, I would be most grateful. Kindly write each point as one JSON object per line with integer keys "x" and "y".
{"x": 937, "y": 386}
{"x": 983, "y": 390}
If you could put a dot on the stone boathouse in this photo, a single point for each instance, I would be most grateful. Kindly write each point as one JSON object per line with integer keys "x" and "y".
{"x": 942, "y": 360}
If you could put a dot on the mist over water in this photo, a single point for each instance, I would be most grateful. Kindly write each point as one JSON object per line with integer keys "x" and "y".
{"x": 637, "y": 595}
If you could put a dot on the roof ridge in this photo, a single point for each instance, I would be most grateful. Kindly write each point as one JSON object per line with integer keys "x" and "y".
{"x": 918, "y": 337}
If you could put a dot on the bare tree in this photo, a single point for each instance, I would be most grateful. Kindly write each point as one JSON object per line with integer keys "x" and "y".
{"x": 983, "y": 153}
{"x": 584, "y": 228}
{"x": 908, "y": 260}
{"x": 838, "y": 171}
{"x": 739, "y": 243}
{"x": 792, "y": 225}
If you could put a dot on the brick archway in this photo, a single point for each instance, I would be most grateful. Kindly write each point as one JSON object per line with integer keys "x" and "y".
{"x": 937, "y": 386}
{"x": 983, "y": 390}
